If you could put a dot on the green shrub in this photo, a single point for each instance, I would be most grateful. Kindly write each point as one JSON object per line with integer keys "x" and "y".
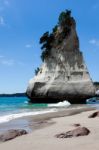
{"x": 37, "y": 70}
{"x": 55, "y": 29}
{"x": 47, "y": 40}
{"x": 64, "y": 18}
{"x": 45, "y": 54}
{"x": 44, "y": 38}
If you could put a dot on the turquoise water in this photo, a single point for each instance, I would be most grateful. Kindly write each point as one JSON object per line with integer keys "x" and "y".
{"x": 13, "y": 110}
{"x": 8, "y": 104}
{"x": 16, "y": 107}
{"x": 12, "y": 104}
{"x": 19, "y": 104}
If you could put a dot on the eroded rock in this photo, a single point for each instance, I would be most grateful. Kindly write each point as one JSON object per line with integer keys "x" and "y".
{"x": 76, "y": 125}
{"x": 63, "y": 75}
{"x": 11, "y": 134}
{"x": 80, "y": 131}
{"x": 95, "y": 114}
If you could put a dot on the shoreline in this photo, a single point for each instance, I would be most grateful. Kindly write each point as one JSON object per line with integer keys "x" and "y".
{"x": 44, "y": 120}
{"x": 31, "y": 123}
{"x": 44, "y": 138}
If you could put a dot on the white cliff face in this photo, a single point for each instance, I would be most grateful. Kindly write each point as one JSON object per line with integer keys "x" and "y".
{"x": 63, "y": 74}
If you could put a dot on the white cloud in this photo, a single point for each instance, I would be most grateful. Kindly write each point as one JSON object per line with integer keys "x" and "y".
{"x": 2, "y": 22}
{"x": 10, "y": 62}
{"x": 1, "y": 8}
{"x": 28, "y": 46}
{"x": 95, "y": 6}
{"x": 7, "y": 62}
{"x": 6, "y": 2}
{"x": 21, "y": 63}
{"x": 1, "y": 56}
{"x": 94, "y": 42}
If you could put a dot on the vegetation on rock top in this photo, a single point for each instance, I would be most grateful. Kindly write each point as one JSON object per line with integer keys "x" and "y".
{"x": 48, "y": 40}
{"x": 37, "y": 70}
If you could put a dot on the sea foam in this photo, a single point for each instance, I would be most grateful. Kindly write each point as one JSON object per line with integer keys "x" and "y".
{"x": 10, "y": 117}
{"x": 24, "y": 113}
{"x": 60, "y": 104}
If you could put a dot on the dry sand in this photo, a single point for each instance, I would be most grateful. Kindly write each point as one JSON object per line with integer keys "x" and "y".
{"x": 44, "y": 138}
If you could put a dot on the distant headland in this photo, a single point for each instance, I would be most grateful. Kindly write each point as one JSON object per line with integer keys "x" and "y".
{"x": 13, "y": 95}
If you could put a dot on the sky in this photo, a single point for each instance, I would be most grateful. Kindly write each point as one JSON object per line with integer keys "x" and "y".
{"x": 22, "y": 23}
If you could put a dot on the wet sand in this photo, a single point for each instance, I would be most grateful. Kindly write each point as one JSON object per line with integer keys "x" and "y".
{"x": 31, "y": 123}
{"x": 45, "y": 127}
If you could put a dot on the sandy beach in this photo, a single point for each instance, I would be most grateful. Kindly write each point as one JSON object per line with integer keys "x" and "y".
{"x": 44, "y": 138}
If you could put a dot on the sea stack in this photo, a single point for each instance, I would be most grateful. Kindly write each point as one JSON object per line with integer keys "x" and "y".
{"x": 63, "y": 74}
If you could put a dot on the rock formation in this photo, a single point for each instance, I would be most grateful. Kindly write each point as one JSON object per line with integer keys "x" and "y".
{"x": 96, "y": 84}
{"x": 63, "y": 75}
{"x": 94, "y": 115}
{"x": 80, "y": 131}
{"x": 11, "y": 134}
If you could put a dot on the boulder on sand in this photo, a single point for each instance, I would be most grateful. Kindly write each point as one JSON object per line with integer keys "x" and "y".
{"x": 11, "y": 134}
{"x": 80, "y": 131}
{"x": 95, "y": 114}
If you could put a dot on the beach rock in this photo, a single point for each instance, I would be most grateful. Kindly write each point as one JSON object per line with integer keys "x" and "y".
{"x": 11, "y": 134}
{"x": 96, "y": 84}
{"x": 97, "y": 93}
{"x": 63, "y": 74}
{"x": 76, "y": 125}
{"x": 80, "y": 131}
{"x": 95, "y": 114}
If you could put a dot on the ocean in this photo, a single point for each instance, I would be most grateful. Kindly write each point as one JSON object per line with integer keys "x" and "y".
{"x": 17, "y": 107}
{"x": 15, "y": 110}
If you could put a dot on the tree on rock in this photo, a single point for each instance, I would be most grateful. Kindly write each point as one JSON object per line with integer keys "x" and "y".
{"x": 47, "y": 40}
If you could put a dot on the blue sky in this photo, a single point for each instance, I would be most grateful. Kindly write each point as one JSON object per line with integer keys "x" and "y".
{"x": 22, "y": 22}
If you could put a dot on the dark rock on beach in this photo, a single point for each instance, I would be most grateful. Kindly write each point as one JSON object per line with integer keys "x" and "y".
{"x": 95, "y": 114}
{"x": 76, "y": 125}
{"x": 11, "y": 134}
{"x": 80, "y": 131}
